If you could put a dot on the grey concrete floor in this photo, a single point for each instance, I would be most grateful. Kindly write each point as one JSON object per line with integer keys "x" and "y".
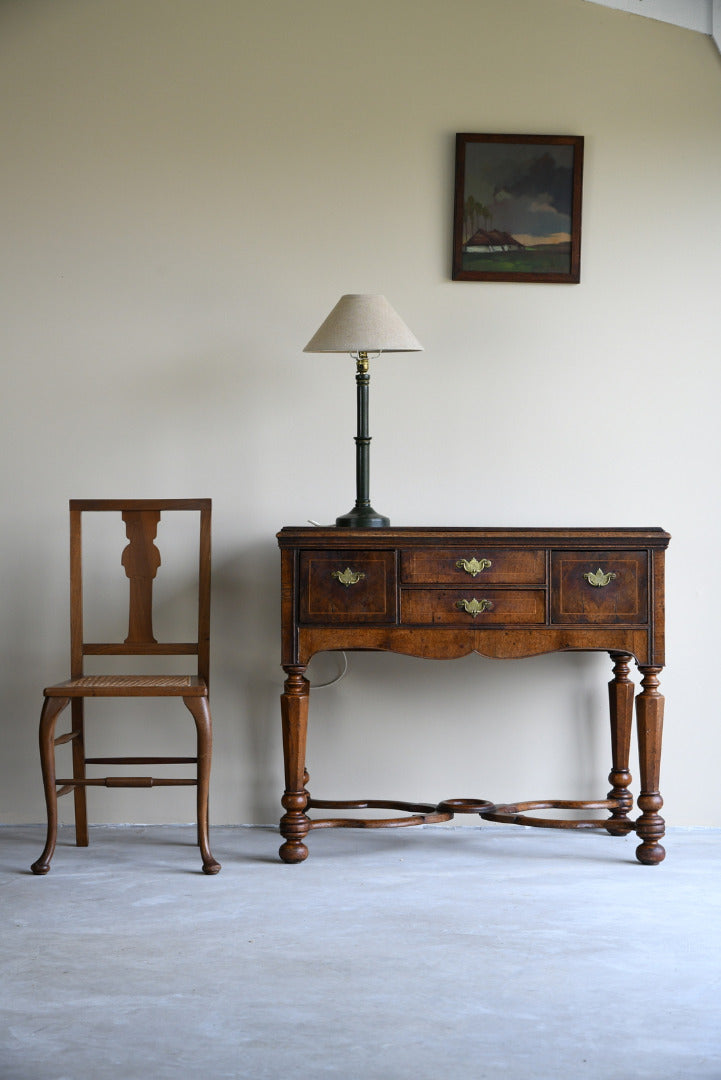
{"x": 433, "y": 953}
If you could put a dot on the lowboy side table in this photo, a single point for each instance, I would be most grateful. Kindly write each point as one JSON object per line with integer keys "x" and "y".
{"x": 443, "y": 593}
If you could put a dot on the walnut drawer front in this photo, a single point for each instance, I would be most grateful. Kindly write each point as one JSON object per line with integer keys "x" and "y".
{"x": 473, "y": 607}
{"x": 341, "y": 586}
{"x": 599, "y": 587}
{"x": 451, "y": 566}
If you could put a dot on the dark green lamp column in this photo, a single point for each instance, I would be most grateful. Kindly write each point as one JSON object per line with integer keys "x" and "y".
{"x": 362, "y": 516}
{"x": 363, "y": 325}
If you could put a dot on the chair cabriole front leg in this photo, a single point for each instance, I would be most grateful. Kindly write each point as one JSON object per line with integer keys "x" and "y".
{"x": 200, "y": 711}
{"x": 52, "y": 707}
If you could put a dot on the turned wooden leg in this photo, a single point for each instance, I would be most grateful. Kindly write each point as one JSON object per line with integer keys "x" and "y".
{"x": 200, "y": 711}
{"x": 649, "y": 716}
{"x": 52, "y": 707}
{"x": 80, "y": 795}
{"x": 294, "y": 825}
{"x": 620, "y": 696}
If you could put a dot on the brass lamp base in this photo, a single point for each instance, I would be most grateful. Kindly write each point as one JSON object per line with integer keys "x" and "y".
{"x": 362, "y": 517}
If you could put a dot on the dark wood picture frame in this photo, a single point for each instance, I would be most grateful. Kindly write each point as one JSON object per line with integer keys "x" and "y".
{"x": 517, "y": 209}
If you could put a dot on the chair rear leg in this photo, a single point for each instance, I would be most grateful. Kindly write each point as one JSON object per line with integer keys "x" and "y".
{"x": 200, "y": 711}
{"x": 52, "y": 707}
{"x": 80, "y": 792}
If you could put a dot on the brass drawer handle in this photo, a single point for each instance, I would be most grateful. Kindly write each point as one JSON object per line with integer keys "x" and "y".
{"x": 348, "y": 577}
{"x": 599, "y": 579}
{"x": 474, "y": 607}
{"x": 473, "y": 566}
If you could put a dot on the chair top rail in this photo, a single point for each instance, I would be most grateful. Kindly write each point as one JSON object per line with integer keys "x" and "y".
{"x": 140, "y": 504}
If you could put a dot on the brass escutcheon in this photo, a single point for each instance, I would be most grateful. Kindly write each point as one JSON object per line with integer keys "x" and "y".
{"x": 599, "y": 579}
{"x": 474, "y": 607}
{"x": 348, "y": 577}
{"x": 473, "y": 566}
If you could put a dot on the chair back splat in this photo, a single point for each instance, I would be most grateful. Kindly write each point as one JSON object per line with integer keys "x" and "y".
{"x": 141, "y": 560}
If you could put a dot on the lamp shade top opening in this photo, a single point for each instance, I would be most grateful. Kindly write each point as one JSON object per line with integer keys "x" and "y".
{"x": 363, "y": 323}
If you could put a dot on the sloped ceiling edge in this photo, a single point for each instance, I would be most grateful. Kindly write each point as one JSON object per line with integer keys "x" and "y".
{"x": 704, "y": 16}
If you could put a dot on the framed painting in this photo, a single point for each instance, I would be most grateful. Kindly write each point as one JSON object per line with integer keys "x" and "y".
{"x": 517, "y": 210}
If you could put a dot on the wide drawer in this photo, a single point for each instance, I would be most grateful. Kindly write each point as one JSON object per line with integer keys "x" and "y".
{"x": 473, "y": 607}
{"x": 450, "y": 566}
{"x": 599, "y": 587}
{"x": 341, "y": 586}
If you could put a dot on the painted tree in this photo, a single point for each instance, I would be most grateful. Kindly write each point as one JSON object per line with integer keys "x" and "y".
{"x": 469, "y": 215}
{"x": 485, "y": 215}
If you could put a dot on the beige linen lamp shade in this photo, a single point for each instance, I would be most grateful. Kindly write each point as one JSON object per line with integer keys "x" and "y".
{"x": 363, "y": 323}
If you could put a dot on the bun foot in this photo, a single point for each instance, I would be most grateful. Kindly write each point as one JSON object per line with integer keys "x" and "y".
{"x": 618, "y": 827}
{"x": 650, "y": 854}
{"x": 293, "y": 851}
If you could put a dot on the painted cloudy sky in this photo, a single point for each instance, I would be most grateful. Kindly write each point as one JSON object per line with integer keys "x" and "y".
{"x": 527, "y": 189}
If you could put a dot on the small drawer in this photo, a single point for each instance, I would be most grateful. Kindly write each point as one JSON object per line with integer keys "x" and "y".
{"x": 347, "y": 586}
{"x": 599, "y": 587}
{"x": 473, "y": 607}
{"x": 477, "y": 566}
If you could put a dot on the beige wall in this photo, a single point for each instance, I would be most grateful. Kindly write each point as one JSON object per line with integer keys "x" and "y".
{"x": 187, "y": 189}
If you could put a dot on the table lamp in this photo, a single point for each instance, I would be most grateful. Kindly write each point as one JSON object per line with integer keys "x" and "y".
{"x": 363, "y": 325}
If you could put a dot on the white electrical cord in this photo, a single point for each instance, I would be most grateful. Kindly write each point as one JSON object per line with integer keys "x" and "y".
{"x": 337, "y": 679}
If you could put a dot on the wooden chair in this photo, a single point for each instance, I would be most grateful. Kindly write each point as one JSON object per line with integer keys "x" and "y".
{"x": 140, "y": 560}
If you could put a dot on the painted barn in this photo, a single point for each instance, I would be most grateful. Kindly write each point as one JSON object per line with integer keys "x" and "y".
{"x": 484, "y": 241}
